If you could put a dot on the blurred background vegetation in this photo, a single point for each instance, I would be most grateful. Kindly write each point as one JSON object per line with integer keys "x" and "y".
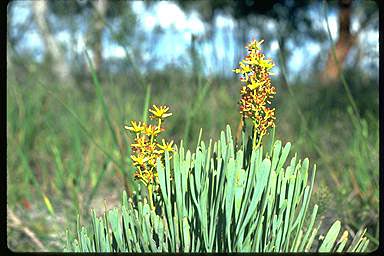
{"x": 67, "y": 150}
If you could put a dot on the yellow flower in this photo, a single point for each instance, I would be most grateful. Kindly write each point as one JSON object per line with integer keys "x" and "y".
{"x": 139, "y": 160}
{"x": 266, "y": 63}
{"x": 244, "y": 69}
{"x": 136, "y": 127}
{"x": 151, "y": 130}
{"x": 252, "y": 60}
{"x": 243, "y": 90}
{"x": 152, "y": 160}
{"x": 165, "y": 146}
{"x": 254, "y": 45}
{"x": 255, "y": 84}
{"x": 160, "y": 112}
{"x": 140, "y": 142}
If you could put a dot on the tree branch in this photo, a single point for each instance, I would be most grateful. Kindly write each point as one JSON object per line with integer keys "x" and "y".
{"x": 18, "y": 224}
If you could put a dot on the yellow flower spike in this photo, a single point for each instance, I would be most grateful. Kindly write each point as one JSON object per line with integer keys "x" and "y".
{"x": 146, "y": 150}
{"x": 160, "y": 112}
{"x": 136, "y": 127}
{"x": 256, "y": 90}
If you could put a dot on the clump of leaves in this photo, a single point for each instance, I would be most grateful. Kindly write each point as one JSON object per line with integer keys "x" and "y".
{"x": 220, "y": 200}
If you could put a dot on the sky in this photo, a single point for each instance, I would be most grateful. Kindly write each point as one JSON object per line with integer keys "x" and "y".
{"x": 178, "y": 27}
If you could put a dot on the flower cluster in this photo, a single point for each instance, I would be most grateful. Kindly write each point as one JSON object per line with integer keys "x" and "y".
{"x": 257, "y": 90}
{"x": 146, "y": 148}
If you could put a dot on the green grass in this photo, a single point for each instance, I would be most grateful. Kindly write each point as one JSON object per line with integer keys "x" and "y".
{"x": 67, "y": 150}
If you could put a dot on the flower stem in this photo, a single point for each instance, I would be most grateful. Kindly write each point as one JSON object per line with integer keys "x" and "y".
{"x": 150, "y": 196}
{"x": 254, "y": 137}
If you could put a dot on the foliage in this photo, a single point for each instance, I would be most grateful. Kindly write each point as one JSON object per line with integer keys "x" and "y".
{"x": 218, "y": 199}
{"x": 333, "y": 128}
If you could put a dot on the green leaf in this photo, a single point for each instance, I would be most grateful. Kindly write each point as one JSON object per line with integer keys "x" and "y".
{"x": 330, "y": 237}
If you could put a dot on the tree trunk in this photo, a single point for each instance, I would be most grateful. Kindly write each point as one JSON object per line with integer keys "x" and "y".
{"x": 9, "y": 46}
{"x": 344, "y": 43}
{"x": 283, "y": 62}
{"x": 195, "y": 60}
{"x": 9, "y": 59}
{"x": 54, "y": 52}
{"x": 100, "y": 9}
